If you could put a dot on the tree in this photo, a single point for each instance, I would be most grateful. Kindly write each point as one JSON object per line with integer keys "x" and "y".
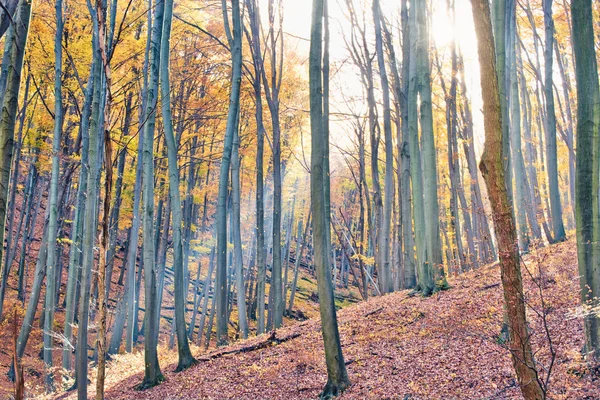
{"x": 52, "y": 202}
{"x": 90, "y": 220}
{"x": 6, "y": 15}
{"x": 337, "y": 377}
{"x": 221, "y": 217}
{"x": 272, "y": 91}
{"x": 185, "y": 355}
{"x": 588, "y": 168}
{"x": 518, "y": 164}
{"x": 237, "y": 234}
{"x": 558, "y": 230}
{"x": 385, "y": 277}
{"x": 152, "y": 373}
{"x": 14, "y": 54}
{"x": 493, "y": 172}
{"x": 254, "y": 17}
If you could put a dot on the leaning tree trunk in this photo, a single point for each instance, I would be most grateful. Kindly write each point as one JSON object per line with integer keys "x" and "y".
{"x": 183, "y": 348}
{"x": 18, "y": 40}
{"x": 492, "y": 168}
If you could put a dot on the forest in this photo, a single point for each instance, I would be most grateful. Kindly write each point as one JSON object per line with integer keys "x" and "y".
{"x": 300, "y": 199}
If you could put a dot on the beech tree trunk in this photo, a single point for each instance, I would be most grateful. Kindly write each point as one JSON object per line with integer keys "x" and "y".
{"x": 558, "y": 229}
{"x": 183, "y": 349}
{"x": 51, "y": 260}
{"x": 587, "y": 171}
{"x": 387, "y": 283}
{"x": 14, "y": 54}
{"x": 152, "y": 372}
{"x": 337, "y": 378}
{"x": 221, "y": 216}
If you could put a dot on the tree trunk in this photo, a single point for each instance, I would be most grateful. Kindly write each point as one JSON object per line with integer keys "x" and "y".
{"x": 260, "y": 139}
{"x": 493, "y": 171}
{"x": 152, "y": 373}
{"x": 337, "y": 378}
{"x": 300, "y": 244}
{"x": 183, "y": 349}
{"x": 430, "y": 204}
{"x": 221, "y": 216}
{"x": 75, "y": 255}
{"x": 518, "y": 164}
{"x": 91, "y": 218}
{"x": 387, "y": 283}
{"x": 15, "y": 45}
{"x": 588, "y": 142}
{"x": 558, "y": 229}
{"x": 51, "y": 260}
{"x": 237, "y": 235}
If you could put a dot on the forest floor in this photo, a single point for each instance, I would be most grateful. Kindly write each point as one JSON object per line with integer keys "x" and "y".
{"x": 398, "y": 346}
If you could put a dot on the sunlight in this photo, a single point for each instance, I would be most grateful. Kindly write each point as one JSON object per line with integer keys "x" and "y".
{"x": 442, "y": 31}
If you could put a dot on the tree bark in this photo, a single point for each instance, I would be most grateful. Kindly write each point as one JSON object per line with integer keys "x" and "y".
{"x": 558, "y": 229}
{"x": 587, "y": 171}
{"x": 387, "y": 284}
{"x": 183, "y": 349}
{"x": 152, "y": 372}
{"x": 337, "y": 377}
{"x": 492, "y": 168}
{"x": 14, "y": 52}
{"x": 51, "y": 260}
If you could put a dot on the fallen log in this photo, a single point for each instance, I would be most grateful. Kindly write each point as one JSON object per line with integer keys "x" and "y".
{"x": 272, "y": 340}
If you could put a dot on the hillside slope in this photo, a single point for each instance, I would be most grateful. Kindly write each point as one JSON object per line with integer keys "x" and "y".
{"x": 398, "y": 346}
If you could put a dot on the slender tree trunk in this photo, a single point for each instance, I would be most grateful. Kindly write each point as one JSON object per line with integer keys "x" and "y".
{"x": 387, "y": 283}
{"x": 30, "y": 218}
{"x": 518, "y": 164}
{"x": 260, "y": 139}
{"x": 237, "y": 235}
{"x": 104, "y": 123}
{"x": 289, "y": 238}
{"x": 493, "y": 172}
{"x": 499, "y": 27}
{"x": 152, "y": 373}
{"x": 14, "y": 54}
{"x": 185, "y": 355}
{"x": 410, "y": 278}
{"x": 558, "y": 229}
{"x": 301, "y": 244}
{"x": 90, "y": 219}
{"x": 430, "y": 204}
{"x": 51, "y": 260}
{"x": 205, "y": 295}
{"x": 337, "y": 378}
{"x": 221, "y": 217}
{"x": 10, "y": 248}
